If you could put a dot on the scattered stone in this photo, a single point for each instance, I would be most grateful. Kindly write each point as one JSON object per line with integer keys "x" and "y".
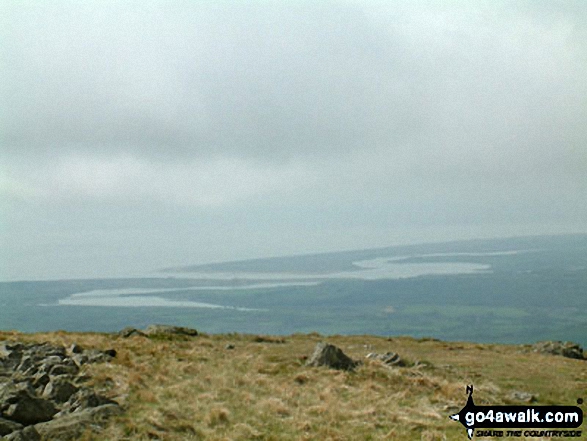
{"x": 565, "y": 348}
{"x": 389, "y": 358}
{"x": 331, "y": 356}
{"x": 170, "y": 330}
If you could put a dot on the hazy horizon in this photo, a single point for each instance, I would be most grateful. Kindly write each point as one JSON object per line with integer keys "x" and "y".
{"x": 141, "y": 135}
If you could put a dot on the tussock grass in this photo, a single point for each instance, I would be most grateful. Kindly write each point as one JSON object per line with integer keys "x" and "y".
{"x": 194, "y": 389}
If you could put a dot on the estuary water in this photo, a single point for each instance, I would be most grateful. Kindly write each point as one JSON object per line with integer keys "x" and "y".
{"x": 373, "y": 269}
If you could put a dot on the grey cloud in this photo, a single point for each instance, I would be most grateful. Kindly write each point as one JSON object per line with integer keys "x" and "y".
{"x": 273, "y": 120}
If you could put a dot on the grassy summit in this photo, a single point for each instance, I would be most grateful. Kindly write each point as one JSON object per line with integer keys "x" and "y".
{"x": 180, "y": 388}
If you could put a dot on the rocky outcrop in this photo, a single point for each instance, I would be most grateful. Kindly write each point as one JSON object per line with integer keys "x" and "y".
{"x": 42, "y": 395}
{"x": 331, "y": 356}
{"x": 565, "y": 348}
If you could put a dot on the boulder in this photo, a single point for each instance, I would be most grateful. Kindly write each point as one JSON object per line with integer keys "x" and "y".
{"x": 565, "y": 348}
{"x": 30, "y": 410}
{"x": 331, "y": 356}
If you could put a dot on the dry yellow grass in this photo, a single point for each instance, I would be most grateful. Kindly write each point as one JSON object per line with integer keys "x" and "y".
{"x": 191, "y": 389}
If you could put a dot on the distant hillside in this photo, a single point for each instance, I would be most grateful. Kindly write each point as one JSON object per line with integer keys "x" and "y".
{"x": 572, "y": 246}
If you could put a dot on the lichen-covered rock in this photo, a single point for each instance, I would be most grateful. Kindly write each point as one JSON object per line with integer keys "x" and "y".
{"x": 331, "y": 356}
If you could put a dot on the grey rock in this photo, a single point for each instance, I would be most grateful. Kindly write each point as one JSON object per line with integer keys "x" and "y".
{"x": 30, "y": 410}
{"x": 131, "y": 332}
{"x": 565, "y": 348}
{"x": 26, "y": 363}
{"x": 47, "y": 350}
{"x": 170, "y": 330}
{"x": 52, "y": 360}
{"x": 85, "y": 398}
{"x": 12, "y": 393}
{"x": 80, "y": 359}
{"x": 26, "y": 434}
{"x": 389, "y": 358}
{"x": 97, "y": 356}
{"x": 64, "y": 369}
{"x": 10, "y": 354}
{"x": 70, "y": 427}
{"x": 7, "y": 426}
{"x": 40, "y": 380}
{"x": 331, "y": 356}
{"x": 7, "y": 347}
{"x": 59, "y": 390}
{"x": 75, "y": 349}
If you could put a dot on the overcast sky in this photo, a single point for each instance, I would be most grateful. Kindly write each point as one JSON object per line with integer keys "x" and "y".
{"x": 136, "y": 135}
